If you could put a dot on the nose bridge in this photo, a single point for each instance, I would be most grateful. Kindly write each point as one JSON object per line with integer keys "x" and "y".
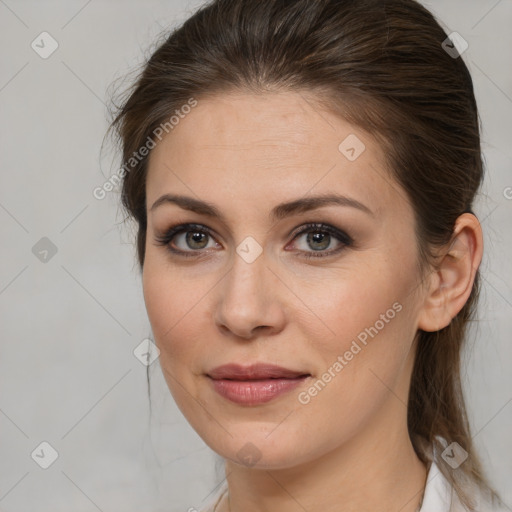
{"x": 247, "y": 299}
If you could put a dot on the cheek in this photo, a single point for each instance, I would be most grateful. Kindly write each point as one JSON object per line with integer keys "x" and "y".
{"x": 172, "y": 303}
{"x": 357, "y": 302}
{"x": 368, "y": 318}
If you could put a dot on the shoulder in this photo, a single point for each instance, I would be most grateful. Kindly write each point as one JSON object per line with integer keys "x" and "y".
{"x": 441, "y": 497}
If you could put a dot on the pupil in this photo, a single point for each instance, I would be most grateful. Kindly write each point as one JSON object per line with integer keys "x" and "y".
{"x": 195, "y": 237}
{"x": 318, "y": 237}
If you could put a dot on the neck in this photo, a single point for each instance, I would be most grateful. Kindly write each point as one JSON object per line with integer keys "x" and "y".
{"x": 377, "y": 469}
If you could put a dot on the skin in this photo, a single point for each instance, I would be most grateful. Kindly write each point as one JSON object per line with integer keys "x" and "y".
{"x": 348, "y": 448}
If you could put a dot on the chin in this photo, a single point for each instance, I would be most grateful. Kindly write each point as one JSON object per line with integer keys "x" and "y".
{"x": 258, "y": 450}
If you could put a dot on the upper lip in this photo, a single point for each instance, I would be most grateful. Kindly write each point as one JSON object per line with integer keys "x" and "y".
{"x": 255, "y": 371}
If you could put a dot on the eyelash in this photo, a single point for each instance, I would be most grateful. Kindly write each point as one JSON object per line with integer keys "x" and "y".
{"x": 344, "y": 239}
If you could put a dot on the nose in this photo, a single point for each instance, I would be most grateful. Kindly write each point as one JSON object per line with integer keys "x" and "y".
{"x": 249, "y": 302}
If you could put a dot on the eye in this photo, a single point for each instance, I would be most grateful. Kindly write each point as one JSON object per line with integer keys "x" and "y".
{"x": 187, "y": 239}
{"x": 319, "y": 238}
{"x": 191, "y": 240}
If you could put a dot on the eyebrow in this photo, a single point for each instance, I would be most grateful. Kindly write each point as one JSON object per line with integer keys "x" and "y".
{"x": 279, "y": 212}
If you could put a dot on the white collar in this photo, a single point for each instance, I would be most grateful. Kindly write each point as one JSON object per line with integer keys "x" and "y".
{"x": 437, "y": 496}
{"x": 440, "y": 495}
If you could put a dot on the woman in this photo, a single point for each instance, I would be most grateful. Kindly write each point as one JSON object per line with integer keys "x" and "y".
{"x": 303, "y": 175}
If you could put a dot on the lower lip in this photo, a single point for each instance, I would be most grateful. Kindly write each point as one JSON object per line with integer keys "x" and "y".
{"x": 253, "y": 392}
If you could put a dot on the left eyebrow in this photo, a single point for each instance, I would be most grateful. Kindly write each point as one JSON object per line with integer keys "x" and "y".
{"x": 279, "y": 212}
{"x": 312, "y": 203}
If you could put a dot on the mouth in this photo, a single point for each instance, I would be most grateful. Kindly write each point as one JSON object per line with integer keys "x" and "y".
{"x": 255, "y": 384}
{"x": 259, "y": 371}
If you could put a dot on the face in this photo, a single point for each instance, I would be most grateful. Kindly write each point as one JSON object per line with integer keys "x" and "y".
{"x": 329, "y": 290}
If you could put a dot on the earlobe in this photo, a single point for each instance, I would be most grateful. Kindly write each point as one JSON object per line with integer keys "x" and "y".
{"x": 452, "y": 282}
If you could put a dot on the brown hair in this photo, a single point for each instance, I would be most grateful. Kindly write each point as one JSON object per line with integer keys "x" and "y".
{"x": 381, "y": 65}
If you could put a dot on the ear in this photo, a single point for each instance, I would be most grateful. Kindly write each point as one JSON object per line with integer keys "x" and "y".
{"x": 451, "y": 284}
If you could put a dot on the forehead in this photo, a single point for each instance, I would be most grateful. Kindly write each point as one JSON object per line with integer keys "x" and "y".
{"x": 268, "y": 145}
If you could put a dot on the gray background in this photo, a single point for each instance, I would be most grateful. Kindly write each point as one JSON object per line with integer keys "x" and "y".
{"x": 69, "y": 326}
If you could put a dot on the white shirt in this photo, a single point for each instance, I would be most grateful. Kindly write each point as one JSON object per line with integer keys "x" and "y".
{"x": 439, "y": 496}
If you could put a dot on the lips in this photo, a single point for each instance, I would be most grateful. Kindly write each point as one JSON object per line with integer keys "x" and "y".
{"x": 255, "y": 384}
{"x": 259, "y": 371}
